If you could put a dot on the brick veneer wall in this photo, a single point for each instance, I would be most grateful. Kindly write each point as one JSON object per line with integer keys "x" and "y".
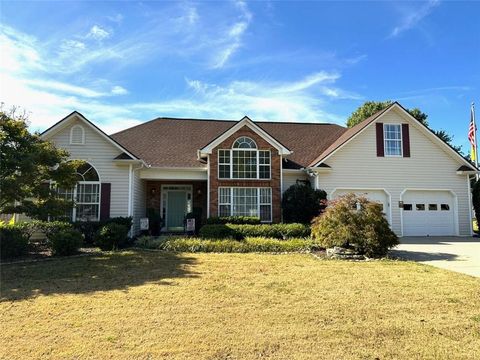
{"x": 274, "y": 181}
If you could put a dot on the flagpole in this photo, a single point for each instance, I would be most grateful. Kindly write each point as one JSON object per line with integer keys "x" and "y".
{"x": 475, "y": 137}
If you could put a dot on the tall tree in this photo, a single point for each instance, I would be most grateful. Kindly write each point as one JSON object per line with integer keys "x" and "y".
{"x": 27, "y": 165}
{"x": 371, "y": 107}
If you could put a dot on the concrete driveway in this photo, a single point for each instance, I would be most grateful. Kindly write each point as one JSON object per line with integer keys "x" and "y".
{"x": 461, "y": 254}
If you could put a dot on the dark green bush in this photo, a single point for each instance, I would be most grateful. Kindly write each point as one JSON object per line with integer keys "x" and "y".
{"x": 111, "y": 236}
{"x": 301, "y": 203}
{"x": 65, "y": 242}
{"x": 88, "y": 229}
{"x": 354, "y": 222}
{"x": 235, "y": 246}
{"x": 51, "y": 227}
{"x": 126, "y": 221}
{"x": 13, "y": 240}
{"x": 219, "y": 231}
{"x": 252, "y": 220}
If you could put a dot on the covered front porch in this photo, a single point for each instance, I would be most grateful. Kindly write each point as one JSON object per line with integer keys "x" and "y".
{"x": 169, "y": 201}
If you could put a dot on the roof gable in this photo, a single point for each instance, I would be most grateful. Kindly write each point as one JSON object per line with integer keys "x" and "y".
{"x": 75, "y": 115}
{"x": 359, "y": 128}
{"x": 282, "y": 150}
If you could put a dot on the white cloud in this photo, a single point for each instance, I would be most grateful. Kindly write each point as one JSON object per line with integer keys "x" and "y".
{"x": 118, "y": 90}
{"x": 413, "y": 18}
{"x": 98, "y": 33}
{"x": 232, "y": 39}
{"x": 118, "y": 18}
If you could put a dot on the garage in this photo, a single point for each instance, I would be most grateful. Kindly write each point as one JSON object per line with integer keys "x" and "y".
{"x": 428, "y": 213}
{"x": 379, "y": 196}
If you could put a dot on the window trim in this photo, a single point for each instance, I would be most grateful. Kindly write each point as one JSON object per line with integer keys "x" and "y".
{"x": 83, "y": 134}
{"x": 257, "y": 164}
{"x": 385, "y": 141}
{"x": 259, "y": 203}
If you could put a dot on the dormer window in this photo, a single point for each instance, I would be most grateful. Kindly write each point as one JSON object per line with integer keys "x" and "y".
{"x": 244, "y": 161}
{"x": 392, "y": 135}
{"x": 77, "y": 135}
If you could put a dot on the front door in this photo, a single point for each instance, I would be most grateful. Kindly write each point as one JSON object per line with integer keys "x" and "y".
{"x": 176, "y": 209}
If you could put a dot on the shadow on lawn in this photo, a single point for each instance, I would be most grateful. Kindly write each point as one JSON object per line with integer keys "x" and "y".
{"x": 422, "y": 256}
{"x": 112, "y": 271}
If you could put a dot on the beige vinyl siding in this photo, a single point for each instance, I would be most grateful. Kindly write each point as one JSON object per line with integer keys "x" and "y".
{"x": 139, "y": 201}
{"x": 430, "y": 166}
{"x": 99, "y": 152}
{"x": 290, "y": 179}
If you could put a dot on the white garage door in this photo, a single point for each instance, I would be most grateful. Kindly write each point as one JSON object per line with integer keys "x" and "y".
{"x": 373, "y": 195}
{"x": 428, "y": 213}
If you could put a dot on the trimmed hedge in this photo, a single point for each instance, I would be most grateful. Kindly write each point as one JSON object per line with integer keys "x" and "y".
{"x": 241, "y": 220}
{"x": 111, "y": 236}
{"x": 90, "y": 228}
{"x": 257, "y": 244}
{"x": 276, "y": 231}
{"x": 65, "y": 242}
{"x": 13, "y": 240}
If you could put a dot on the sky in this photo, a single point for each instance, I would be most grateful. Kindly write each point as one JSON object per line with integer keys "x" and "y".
{"x": 124, "y": 63}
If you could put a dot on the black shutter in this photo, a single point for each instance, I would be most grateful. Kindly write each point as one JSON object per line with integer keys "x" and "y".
{"x": 380, "y": 145}
{"x": 105, "y": 190}
{"x": 406, "y": 140}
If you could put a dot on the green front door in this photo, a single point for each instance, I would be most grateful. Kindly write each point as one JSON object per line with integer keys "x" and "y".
{"x": 176, "y": 207}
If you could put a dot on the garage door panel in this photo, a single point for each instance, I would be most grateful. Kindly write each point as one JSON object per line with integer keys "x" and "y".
{"x": 428, "y": 213}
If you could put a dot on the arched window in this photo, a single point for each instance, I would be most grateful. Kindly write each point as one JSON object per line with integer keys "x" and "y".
{"x": 244, "y": 143}
{"x": 77, "y": 135}
{"x": 244, "y": 161}
{"x": 85, "y": 195}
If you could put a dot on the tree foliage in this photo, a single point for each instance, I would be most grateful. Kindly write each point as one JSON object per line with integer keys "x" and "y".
{"x": 371, "y": 107}
{"x": 476, "y": 199}
{"x": 27, "y": 164}
{"x": 354, "y": 221}
{"x": 301, "y": 203}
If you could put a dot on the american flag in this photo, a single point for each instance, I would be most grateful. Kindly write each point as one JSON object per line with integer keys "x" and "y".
{"x": 472, "y": 129}
{"x": 472, "y": 135}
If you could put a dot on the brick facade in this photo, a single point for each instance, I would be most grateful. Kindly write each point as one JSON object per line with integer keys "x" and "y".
{"x": 273, "y": 183}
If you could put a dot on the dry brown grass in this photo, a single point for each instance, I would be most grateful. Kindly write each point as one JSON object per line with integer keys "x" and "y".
{"x": 236, "y": 306}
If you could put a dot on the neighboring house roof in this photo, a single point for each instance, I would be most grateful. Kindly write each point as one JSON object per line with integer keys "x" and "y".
{"x": 173, "y": 142}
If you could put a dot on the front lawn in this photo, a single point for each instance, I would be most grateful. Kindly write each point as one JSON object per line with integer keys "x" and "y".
{"x": 151, "y": 305}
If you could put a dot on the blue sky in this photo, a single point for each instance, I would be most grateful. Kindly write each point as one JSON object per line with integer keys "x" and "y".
{"x": 122, "y": 63}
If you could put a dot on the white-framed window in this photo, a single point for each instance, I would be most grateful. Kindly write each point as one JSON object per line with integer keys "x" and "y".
{"x": 392, "y": 135}
{"x": 77, "y": 135}
{"x": 85, "y": 195}
{"x": 244, "y": 161}
{"x": 245, "y": 201}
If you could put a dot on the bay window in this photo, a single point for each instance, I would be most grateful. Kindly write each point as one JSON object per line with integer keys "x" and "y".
{"x": 244, "y": 161}
{"x": 245, "y": 201}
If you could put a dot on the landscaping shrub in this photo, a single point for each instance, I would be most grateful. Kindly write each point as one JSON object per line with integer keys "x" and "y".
{"x": 235, "y": 246}
{"x": 234, "y": 231}
{"x": 126, "y": 221}
{"x": 354, "y": 222}
{"x": 219, "y": 231}
{"x": 197, "y": 215}
{"x": 111, "y": 236}
{"x": 13, "y": 240}
{"x": 88, "y": 229}
{"x": 301, "y": 203}
{"x": 51, "y": 227}
{"x": 252, "y": 220}
{"x": 276, "y": 231}
{"x": 65, "y": 242}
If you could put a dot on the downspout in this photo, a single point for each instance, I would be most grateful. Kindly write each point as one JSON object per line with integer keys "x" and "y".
{"x": 208, "y": 186}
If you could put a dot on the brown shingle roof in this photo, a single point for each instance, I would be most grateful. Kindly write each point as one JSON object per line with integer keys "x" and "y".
{"x": 171, "y": 142}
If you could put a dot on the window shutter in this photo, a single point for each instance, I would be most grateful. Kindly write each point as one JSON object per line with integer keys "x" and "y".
{"x": 405, "y": 140}
{"x": 105, "y": 190}
{"x": 380, "y": 145}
